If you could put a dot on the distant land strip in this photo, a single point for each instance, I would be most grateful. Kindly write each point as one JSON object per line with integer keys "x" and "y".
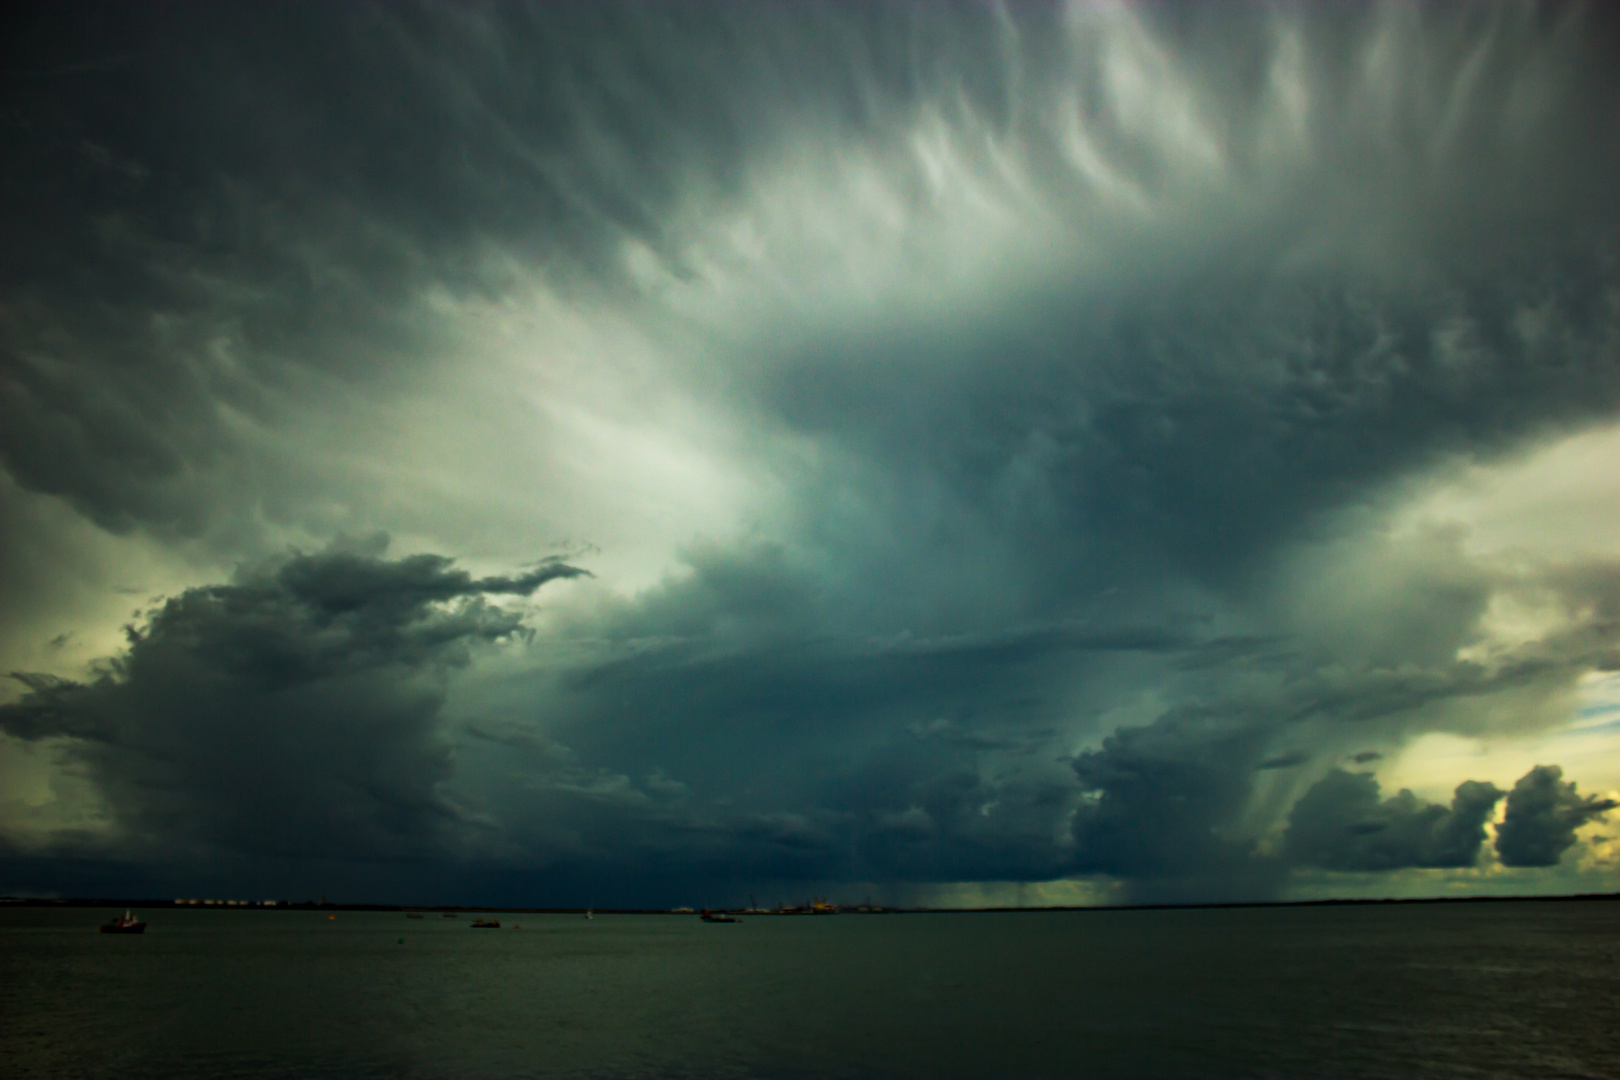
{"x": 314, "y": 905}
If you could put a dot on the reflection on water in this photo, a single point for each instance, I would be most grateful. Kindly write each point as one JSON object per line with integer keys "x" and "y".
{"x": 1504, "y": 989}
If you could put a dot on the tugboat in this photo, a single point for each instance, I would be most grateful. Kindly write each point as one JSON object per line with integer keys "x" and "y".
{"x": 486, "y": 924}
{"x": 127, "y": 924}
{"x": 717, "y": 916}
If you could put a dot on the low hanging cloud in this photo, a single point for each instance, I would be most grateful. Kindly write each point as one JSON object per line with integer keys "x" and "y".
{"x": 928, "y": 759}
{"x": 1156, "y": 798}
{"x": 1543, "y": 812}
{"x": 293, "y": 712}
{"x": 1341, "y": 824}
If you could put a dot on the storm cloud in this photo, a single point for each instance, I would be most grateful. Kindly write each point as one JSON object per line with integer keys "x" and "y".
{"x": 1543, "y": 812}
{"x": 1009, "y": 443}
{"x": 293, "y": 712}
{"x": 1341, "y": 824}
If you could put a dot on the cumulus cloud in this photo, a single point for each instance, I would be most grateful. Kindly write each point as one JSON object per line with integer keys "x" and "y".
{"x": 1158, "y": 798}
{"x": 1341, "y": 824}
{"x": 1543, "y": 812}
{"x": 293, "y": 712}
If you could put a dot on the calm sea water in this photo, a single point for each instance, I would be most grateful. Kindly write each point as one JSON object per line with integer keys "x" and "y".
{"x": 1491, "y": 990}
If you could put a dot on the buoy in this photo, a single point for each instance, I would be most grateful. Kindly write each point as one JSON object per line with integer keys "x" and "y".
{"x": 331, "y": 918}
{"x": 402, "y": 941}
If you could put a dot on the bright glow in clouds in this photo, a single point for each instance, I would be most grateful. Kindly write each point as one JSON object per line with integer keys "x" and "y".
{"x": 1558, "y": 500}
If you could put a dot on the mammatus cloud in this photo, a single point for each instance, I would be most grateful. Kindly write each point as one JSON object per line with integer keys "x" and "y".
{"x": 1543, "y": 812}
{"x": 293, "y": 712}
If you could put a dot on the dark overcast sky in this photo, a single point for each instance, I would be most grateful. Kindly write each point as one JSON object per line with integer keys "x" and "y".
{"x": 656, "y": 454}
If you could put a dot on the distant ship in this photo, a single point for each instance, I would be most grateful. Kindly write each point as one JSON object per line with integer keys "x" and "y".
{"x": 717, "y": 916}
{"x": 126, "y": 924}
{"x": 486, "y": 924}
{"x": 589, "y": 914}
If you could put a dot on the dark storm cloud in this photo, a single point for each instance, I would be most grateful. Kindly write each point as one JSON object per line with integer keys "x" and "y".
{"x": 1201, "y": 429}
{"x": 1163, "y": 804}
{"x": 216, "y": 213}
{"x": 1016, "y": 624}
{"x": 1341, "y": 824}
{"x": 234, "y": 206}
{"x": 740, "y": 742}
{"x": 1543, "y": 812}
{"x": 805, "y": 754}
{"x": 1173, "y": 794}
{"x": 1156, "y": 799}
{"x": 292, "y": 713}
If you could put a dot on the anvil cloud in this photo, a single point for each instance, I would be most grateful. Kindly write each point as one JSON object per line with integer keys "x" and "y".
{"x": 662, "y": 454}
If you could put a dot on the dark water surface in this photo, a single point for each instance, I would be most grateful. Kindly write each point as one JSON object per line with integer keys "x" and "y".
{"x": 1485, "y": 990}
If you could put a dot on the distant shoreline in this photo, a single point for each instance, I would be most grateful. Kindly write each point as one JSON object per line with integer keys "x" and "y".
{"x": 151, "y": 903}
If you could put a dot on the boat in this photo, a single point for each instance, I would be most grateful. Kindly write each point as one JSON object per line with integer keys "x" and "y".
{"x": 413, "y": 914}
{"x": 449, "y": 915}
{"x": 125, "y": 924}
{"x": 717, "y": 916}
{"x": 589, "y": 914}
{"x": 486, "y": 924}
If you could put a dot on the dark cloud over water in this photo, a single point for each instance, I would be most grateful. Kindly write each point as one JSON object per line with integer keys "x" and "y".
{"x": 1340, "y": 824}
{"x": 994, "y": 432}
{"x": 1543, "y": 812}
{"x": 293, "y": 712}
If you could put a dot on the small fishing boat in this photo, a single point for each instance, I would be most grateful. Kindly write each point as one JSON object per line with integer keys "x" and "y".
{"x": 486, "y": 924}
{"x": 717, "y": 916}
{"x": 125, "y": 924}
{"x": 589, "y": 914}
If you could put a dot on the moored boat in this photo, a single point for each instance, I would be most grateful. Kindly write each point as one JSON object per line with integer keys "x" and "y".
{"x": 486, "y": 924}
